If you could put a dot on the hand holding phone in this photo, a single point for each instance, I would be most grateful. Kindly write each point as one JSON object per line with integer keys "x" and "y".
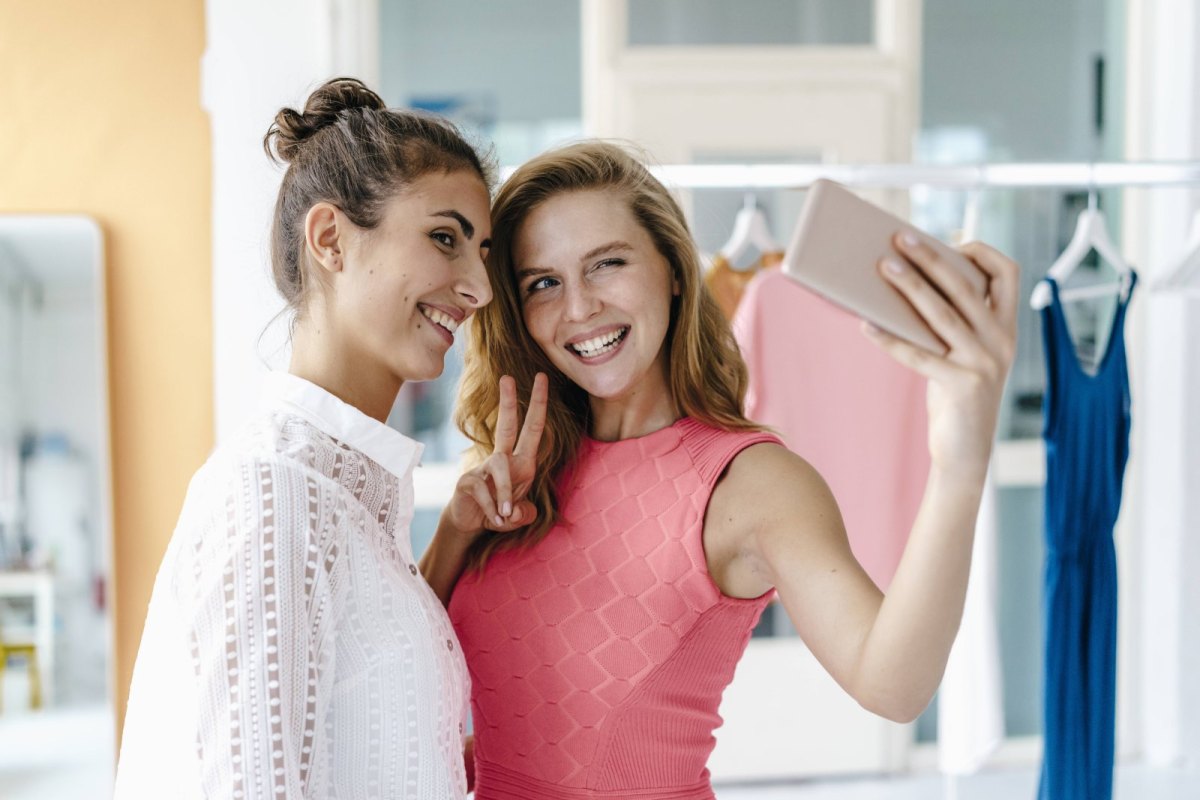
{"x": 836, "y": 247}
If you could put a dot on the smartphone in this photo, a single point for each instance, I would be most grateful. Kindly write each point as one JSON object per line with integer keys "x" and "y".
{"x": 836, "y": 248}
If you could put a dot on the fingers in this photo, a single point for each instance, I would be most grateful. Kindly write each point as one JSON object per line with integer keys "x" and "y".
{"x": 915, "y": 358}
{"x": 496, "y": 468}
{"x": 990, "y": 328}
{"x": 966, "y": 299}
{"x": 524, "y": 513}
{"x": 506, "y": 416}
{"x": 942, "y": 317}
{"x": 475, "y": 486}
{"x": 1005, "y": 275}
{"x": 535, "y": 418}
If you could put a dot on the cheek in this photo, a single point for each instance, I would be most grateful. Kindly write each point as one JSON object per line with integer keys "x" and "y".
{"x": 537, "y": 323}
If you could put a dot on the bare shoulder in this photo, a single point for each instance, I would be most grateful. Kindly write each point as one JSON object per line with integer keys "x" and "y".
{"x": 766, "y": 480}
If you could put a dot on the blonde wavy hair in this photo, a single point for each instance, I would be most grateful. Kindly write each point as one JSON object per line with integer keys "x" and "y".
{"x": 706, "y": 375}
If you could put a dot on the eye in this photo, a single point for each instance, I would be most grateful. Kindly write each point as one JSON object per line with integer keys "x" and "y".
{"x": 444, "y": 238}
{"x": 539, "y": 284}
{"x": 610, "y": 262}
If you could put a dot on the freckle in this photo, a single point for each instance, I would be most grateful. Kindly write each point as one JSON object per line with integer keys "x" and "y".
{"x": 406, "y": 298}
{"x": 370, "y": 272}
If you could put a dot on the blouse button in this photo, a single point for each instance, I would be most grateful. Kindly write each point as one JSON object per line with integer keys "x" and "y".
{"x": 449, "y": 644}
{"x": 412, "y": 568}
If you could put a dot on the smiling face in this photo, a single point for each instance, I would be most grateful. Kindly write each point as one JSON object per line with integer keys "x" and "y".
{"x": 595, "y": 293}
{"x": 405, "y": 286}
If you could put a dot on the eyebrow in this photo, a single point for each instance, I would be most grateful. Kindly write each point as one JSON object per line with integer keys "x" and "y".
{"x": 612, "y": 246}
{"x": 606, "y": 248}
{"x": 467, "y": 227}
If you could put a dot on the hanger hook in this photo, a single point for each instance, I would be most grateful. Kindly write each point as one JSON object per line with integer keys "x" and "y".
{"x": 970, "y": 222}
{"x": 749, "y": 201}
{"x": 1093, "y": 201}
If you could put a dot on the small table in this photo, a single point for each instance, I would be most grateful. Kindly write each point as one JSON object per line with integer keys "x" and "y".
{"x": 39, "y": 586}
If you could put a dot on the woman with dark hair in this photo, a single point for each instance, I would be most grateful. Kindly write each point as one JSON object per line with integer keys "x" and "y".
{"x": 659, "y": 521}
{"x": 292, "y": 648}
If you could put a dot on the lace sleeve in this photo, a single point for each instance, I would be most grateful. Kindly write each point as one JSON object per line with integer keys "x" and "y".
{"x": 266, "y": 595}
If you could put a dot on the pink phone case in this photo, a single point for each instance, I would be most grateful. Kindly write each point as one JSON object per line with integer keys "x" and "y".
{"x": 836, "y": 246}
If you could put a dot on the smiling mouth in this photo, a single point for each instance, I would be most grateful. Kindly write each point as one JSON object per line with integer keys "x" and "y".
{"x": 440, "y": 319}
{"x": 600, "y": 345}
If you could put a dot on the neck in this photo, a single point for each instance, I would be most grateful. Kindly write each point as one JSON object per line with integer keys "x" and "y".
{"x": 318, "y": 358}
{"x": 642, "y": 410}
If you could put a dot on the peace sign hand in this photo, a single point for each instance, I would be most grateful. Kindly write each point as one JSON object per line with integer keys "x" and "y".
{"x": 492, "y": 495}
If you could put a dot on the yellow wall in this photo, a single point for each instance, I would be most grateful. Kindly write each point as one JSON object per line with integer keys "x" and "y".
{"x": 102, "y": 116}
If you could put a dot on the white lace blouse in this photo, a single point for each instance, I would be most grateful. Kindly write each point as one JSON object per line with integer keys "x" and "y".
{"x": 292, "y": 648}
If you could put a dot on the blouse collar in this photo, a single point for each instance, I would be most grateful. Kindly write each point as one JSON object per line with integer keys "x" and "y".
{"x": 384, "y": 445}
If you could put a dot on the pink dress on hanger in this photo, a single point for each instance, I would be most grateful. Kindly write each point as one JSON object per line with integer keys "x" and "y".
{"x": 843, "y": 405}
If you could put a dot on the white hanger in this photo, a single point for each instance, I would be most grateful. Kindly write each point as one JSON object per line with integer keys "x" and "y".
{"x": 1184, "y": 275}
{"x": 1091, "y": 233}
{"x": 970, "y": 224}
{"x": 749, "y": 230}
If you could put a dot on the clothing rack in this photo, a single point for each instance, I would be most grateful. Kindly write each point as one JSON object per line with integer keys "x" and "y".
{"x": 1081, "y": 175}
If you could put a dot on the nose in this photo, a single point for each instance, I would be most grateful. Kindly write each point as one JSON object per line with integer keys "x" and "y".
{"x": 579, "y": 301}
{"x": 473, "y": 285}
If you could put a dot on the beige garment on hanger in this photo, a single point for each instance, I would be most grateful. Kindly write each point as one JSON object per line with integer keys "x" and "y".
{"x": 727, "y": 284}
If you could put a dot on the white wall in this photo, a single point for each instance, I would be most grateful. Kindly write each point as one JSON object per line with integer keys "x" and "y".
{"x": 262, "y": 56}
{"x": 1164, "y": 123}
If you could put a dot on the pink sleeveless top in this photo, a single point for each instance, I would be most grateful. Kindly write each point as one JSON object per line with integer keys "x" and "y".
{"x": 598, "y": 657}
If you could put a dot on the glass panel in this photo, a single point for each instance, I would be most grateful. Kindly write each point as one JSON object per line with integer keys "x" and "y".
{"x": 1021, "y": 556}
{"x": 475, "y": 63}
{"x": 751, "y": 22}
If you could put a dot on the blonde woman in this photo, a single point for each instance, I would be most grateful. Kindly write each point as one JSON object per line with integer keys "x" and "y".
{"x": 659, "y": 521}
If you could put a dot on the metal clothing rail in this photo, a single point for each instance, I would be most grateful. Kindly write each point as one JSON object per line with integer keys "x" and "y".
{"x": 1082, "y": 175}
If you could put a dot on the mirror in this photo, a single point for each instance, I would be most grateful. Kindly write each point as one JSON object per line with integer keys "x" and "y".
{"x": 56, "y": 721}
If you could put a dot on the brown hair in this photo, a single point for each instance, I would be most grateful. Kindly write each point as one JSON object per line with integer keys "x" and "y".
{"x": 706, "y": 374}
{"x": 349, "y": 149}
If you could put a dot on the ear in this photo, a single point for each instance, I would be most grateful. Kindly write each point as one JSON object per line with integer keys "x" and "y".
{"x": 675, "y": 290}
{"x": 324, "y": 226}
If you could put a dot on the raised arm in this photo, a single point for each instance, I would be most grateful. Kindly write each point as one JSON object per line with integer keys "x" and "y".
{"x": 785, "y": 530}
{"x": 492, "y": 495}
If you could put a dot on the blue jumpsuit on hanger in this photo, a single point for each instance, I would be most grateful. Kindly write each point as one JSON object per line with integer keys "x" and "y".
{"x": 1087, "y": 444}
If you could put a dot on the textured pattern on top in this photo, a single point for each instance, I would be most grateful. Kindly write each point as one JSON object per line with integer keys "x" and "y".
{"x": 292, "y": 649}
{"x": 598, "y": 657}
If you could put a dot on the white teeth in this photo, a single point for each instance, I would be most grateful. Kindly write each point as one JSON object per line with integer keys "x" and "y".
{"x": 445, "y": 320}
{"x": 600, "y": 344}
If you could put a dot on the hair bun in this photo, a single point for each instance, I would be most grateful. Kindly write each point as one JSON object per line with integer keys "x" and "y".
{"x": 324, "y": 106}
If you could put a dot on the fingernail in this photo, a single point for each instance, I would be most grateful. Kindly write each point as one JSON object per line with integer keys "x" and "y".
{"x": 506, "y": 510}
{"x": 893, "y": 265}
{"x": 499, "y": 522}
{"x": 871, "y": 328}
{"x": 909, "y": 239}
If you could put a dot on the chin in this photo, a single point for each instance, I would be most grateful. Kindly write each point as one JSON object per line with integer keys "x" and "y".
{"x": 422, "y": 371}
{"x": 606, "y": 389}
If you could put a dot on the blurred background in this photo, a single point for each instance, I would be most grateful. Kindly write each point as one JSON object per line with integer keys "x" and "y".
{"x": 136, "y": 307}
